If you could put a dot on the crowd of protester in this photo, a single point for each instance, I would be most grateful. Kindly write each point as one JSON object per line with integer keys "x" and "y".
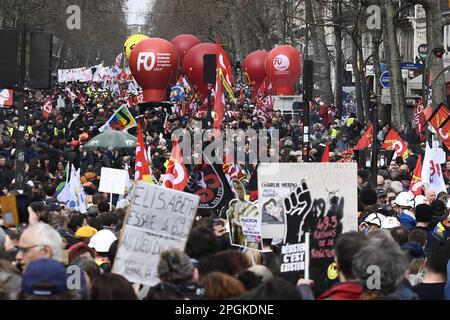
{"x": 407, "y": 237}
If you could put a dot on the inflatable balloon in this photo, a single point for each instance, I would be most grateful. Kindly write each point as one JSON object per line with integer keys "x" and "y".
{"x": 254, "y": 68}
{"x": 183, "y": 43}
{"x": 131, "y": 42}
{"x": 153, "y": 63}
{"x": 193, "y": 65}
{"x": 284, "y": 67}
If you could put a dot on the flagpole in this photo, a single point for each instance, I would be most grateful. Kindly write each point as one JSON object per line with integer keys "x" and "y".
{"x": 374, "y": 164}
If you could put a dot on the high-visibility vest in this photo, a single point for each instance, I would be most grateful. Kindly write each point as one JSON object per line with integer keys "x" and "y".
{"x": 11, "y": 131}
{"x": 334, "y": 132}
{"x": 350, "y": 121}
{"x": 56, "y": 131}
{"x": 30, "y": 130}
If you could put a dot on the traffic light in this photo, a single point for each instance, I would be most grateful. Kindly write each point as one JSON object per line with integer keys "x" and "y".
{"x": 438, "y": 52}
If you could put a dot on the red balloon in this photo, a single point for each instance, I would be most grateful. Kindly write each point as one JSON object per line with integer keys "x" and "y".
{"x": 153, "y": 63}
{"x": 284, "y": 67}
{"x": 255, "y": 66}
{"x": 193, "y": 65}
{"x": 183, "y": 43}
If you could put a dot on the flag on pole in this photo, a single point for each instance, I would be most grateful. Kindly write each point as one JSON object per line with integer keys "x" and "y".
{"x": 416, "y": 182}
{"x": 225, "y": 71}
{"x": 73, "y": 193}
{"x": 394, "y": 142}
{"x": 142, "y": 166}
{"x": 366, "y": 139}
{"x": 326, "y": 154}
{"x": 121, "y": 120}
{"x": 47, "y": 108}
{"x": 444, "y": 132}
{"x": 432, "y": 176}
{"x": 6, "y": 97}
{"x": 439, "y": 116}
{"x": 176, "y": 176}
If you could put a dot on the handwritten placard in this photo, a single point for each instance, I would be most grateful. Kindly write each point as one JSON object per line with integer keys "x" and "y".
{"x": 158, "y": 219}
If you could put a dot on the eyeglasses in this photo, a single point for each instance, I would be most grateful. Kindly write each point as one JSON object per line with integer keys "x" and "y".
{"x": 27, "y": 249}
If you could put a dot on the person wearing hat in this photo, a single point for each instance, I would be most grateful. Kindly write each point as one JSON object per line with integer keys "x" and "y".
{"x": 46, "y": 279}
{"x": 372, "y": 222}
{"x": 381, "y": 196}
{"x": 101, "y": 242}
{"x": 404, "y": 202}
{"x": 424, "y": 215}
{"x": 85, "y": 233}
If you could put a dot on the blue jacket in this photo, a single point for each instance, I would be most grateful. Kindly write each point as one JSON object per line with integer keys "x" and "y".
{"x": 407, "y": 221}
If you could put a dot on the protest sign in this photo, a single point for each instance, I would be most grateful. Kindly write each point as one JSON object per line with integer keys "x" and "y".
{"x": 244, "y": 220}
{"x": 9, "y": 211}
{"x": 318, "y": 198}
{"x": 113, "y": 180}
{"x": 158, "y": 219}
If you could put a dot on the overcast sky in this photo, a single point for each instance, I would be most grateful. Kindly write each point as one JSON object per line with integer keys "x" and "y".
{"x": 136, "y": 11}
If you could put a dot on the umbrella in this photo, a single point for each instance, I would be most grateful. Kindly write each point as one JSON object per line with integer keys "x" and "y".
{"x": 112, "y": 139}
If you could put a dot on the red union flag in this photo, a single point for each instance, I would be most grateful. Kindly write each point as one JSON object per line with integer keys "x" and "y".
{"x": 176, "y": 176}
{"x": 6, "y": 97}
{"x": 47, "y": 108}
{"x": 366, "y": 139}
{"x": 394, "y": 142}
{"x": 142, "y": 166}
{"x": 416, "y": 181}
{"x": 439, "y": 116}
{"x": 444, "y": 132}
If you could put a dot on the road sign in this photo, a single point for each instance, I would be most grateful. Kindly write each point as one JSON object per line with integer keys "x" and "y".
{"x": 423, "y": 51}
{"x": 384, "y": 79}
{"x": 411, "y": 66}
{"x": 386, "y": 96}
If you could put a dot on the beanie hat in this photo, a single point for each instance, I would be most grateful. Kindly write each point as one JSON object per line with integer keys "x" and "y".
{"x": 175, "y": 266}
{"x": 368, "y": 197}
{"x": 424, "y": 213}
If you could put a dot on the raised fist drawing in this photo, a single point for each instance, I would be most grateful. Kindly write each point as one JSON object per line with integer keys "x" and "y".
{"x": 297, "y": 207}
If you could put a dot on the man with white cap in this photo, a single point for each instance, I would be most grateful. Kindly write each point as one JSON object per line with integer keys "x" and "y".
{"x": 405, "y": 201}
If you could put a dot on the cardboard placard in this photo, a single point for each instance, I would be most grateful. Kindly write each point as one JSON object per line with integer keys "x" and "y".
{"x": 320, "y": 198}
{"x": 113, "y": 181}
{"x": 158, "y": 219}
{"x": 9, "y": 211}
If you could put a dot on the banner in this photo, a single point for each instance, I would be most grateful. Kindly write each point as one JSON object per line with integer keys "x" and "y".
{"x": 432, "y": 176}
{"x": 113, "y": 180}
{"x": 158, "y": 219}
{"x": 244, "y": 220}
{"x": 315, "y": 199}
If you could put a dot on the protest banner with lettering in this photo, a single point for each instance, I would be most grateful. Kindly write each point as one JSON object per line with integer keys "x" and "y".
{"x": 158, "y": 219}
{"x": 318, "y": 199}
{"x": 244, "y": 220}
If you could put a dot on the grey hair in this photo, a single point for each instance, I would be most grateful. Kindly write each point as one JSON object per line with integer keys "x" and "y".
{"x": 388, "y": 257}
{"x": 48, "y": 236}
{"x": 175, "y": 266}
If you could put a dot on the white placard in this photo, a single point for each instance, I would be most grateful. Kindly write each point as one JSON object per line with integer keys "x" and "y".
{"x": 113, "y": 181}
{"x": 278, "y": 181}
{"x": 158, "y": 219}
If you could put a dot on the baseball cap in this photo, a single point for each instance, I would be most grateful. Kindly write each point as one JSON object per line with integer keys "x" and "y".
{"x": 381, "y": 192}
{"x": 390, "y": 223}
{"x": 102, "y": 240}
{"x": 405, "y": 199}
{"x": 44, "y": 277}
{"x": 86, "y": 232}
{"x": 375, "y": 218}
{"x": 420, "y": 199}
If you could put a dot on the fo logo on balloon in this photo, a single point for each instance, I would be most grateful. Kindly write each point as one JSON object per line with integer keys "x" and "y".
{"x": 281, "y": 62}
{"x": 143, "y": 59}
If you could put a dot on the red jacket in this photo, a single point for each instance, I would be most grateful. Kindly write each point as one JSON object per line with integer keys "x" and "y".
{"x": 343, "y": 291}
